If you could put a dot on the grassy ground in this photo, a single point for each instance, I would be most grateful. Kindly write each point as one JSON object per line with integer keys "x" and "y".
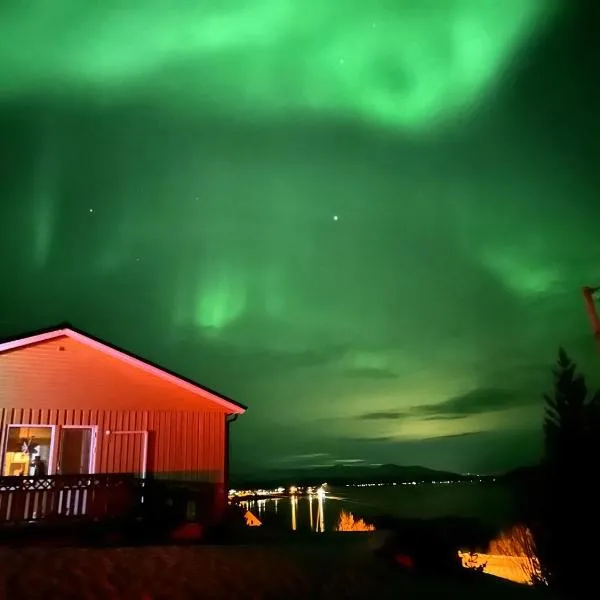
{"x": 326, "y": 566}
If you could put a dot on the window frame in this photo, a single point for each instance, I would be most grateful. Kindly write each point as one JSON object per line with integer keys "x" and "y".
{"x": 52, "y": 452}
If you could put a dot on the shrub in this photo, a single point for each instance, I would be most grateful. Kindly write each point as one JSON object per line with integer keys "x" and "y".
{"x": 347, "y": 522}
{"x": 518, "y": 542}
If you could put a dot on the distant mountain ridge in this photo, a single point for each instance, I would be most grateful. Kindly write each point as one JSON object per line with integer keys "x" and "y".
{"x": 346, "y": 474}
{"x": 525, "y": 473}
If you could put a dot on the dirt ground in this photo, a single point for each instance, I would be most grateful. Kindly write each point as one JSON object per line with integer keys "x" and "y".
{"x": 318, "y": 568}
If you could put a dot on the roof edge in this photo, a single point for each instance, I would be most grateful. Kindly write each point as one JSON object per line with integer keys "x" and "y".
{"x": 67, "y": 329}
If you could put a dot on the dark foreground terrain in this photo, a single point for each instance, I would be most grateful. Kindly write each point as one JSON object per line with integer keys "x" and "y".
{"x": 320, "y": 566}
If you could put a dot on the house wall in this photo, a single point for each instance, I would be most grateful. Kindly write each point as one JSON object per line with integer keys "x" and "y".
{"x": 65, "y": 382}
{"x": 182, "y": 445}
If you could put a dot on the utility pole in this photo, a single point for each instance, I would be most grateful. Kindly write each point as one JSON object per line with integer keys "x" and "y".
{"x": 591, "y": 297}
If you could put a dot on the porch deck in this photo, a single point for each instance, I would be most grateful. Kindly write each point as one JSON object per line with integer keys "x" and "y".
{"x": 60, "y": 497}
{"x": 97, "y": 497}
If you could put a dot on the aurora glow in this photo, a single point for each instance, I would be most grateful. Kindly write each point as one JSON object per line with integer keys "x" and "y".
{"x": 369, "y": 221}
{"x": 400, "y": 63}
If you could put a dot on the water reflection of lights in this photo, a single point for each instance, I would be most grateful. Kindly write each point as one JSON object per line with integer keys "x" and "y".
{"x": 294, "y": 501}
{"x": 316, "y": 519}
{"x": 320, "y": 510}
{"x": 261, "y": 504}
{"x": 316, "y": 523}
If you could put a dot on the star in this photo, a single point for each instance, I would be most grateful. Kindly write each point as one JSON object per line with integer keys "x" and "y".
{"x": 336, "y": 218}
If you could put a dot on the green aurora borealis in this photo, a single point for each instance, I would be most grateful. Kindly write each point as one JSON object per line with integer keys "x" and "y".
{"x": 396, "y": 62}
{"x": 367, "y": 220}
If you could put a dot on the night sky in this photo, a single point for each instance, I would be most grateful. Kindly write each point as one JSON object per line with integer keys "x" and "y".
{"x": 367, "y": 220}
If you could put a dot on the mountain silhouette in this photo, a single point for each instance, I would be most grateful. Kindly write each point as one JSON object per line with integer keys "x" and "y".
{"x": 344, "y": 474}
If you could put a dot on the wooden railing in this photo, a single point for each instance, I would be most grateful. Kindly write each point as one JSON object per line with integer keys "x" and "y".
{"x": 106, "y": 496}
{"x": 59, "y": 497}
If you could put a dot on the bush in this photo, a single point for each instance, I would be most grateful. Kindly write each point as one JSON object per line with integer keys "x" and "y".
{"x": 347, "y": 522}
{"x": 518, "y": 542}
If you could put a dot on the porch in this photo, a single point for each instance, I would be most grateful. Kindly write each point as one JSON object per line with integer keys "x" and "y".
{"x": 59, "y": 497}
{"x": 55, "y": 499}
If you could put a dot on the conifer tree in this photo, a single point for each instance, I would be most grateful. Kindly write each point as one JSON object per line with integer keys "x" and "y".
{"x": 568, "y": 423}
{"x": 567, "y": 522}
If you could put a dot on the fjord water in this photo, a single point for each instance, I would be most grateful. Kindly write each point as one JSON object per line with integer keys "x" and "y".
{"x": 491, "y": 503}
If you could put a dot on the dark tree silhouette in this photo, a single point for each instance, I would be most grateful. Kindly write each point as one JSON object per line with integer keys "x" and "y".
{"x": 566, "y": 516}
{"x": 569, "y": 424}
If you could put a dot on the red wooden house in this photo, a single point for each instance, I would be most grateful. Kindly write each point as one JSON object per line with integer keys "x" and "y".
{"x": 78, "y": 415}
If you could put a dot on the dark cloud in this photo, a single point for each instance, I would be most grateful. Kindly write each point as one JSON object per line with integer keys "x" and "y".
{"x": 372, "y": 373}
{"x": 475, "y": 402}
{"x": 249, "y": 361}
{"x": 453, "y": 436}
{"x": 383, "y": 415}
{"x": 382, "y": 439}
{"x": 391, "y": 439}
{"x": 496, "y": 451}
{"x": 302, "y": 457}
{"x": 444, "y": 417}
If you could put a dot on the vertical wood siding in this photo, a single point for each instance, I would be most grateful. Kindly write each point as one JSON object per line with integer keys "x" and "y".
{"x": 182, "y": 445}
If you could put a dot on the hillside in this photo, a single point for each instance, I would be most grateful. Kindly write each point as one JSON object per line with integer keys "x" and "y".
{"x": 344, "y": 474}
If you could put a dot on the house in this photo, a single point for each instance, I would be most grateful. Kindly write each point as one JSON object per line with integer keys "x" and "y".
{"x": 79, "y": 416}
